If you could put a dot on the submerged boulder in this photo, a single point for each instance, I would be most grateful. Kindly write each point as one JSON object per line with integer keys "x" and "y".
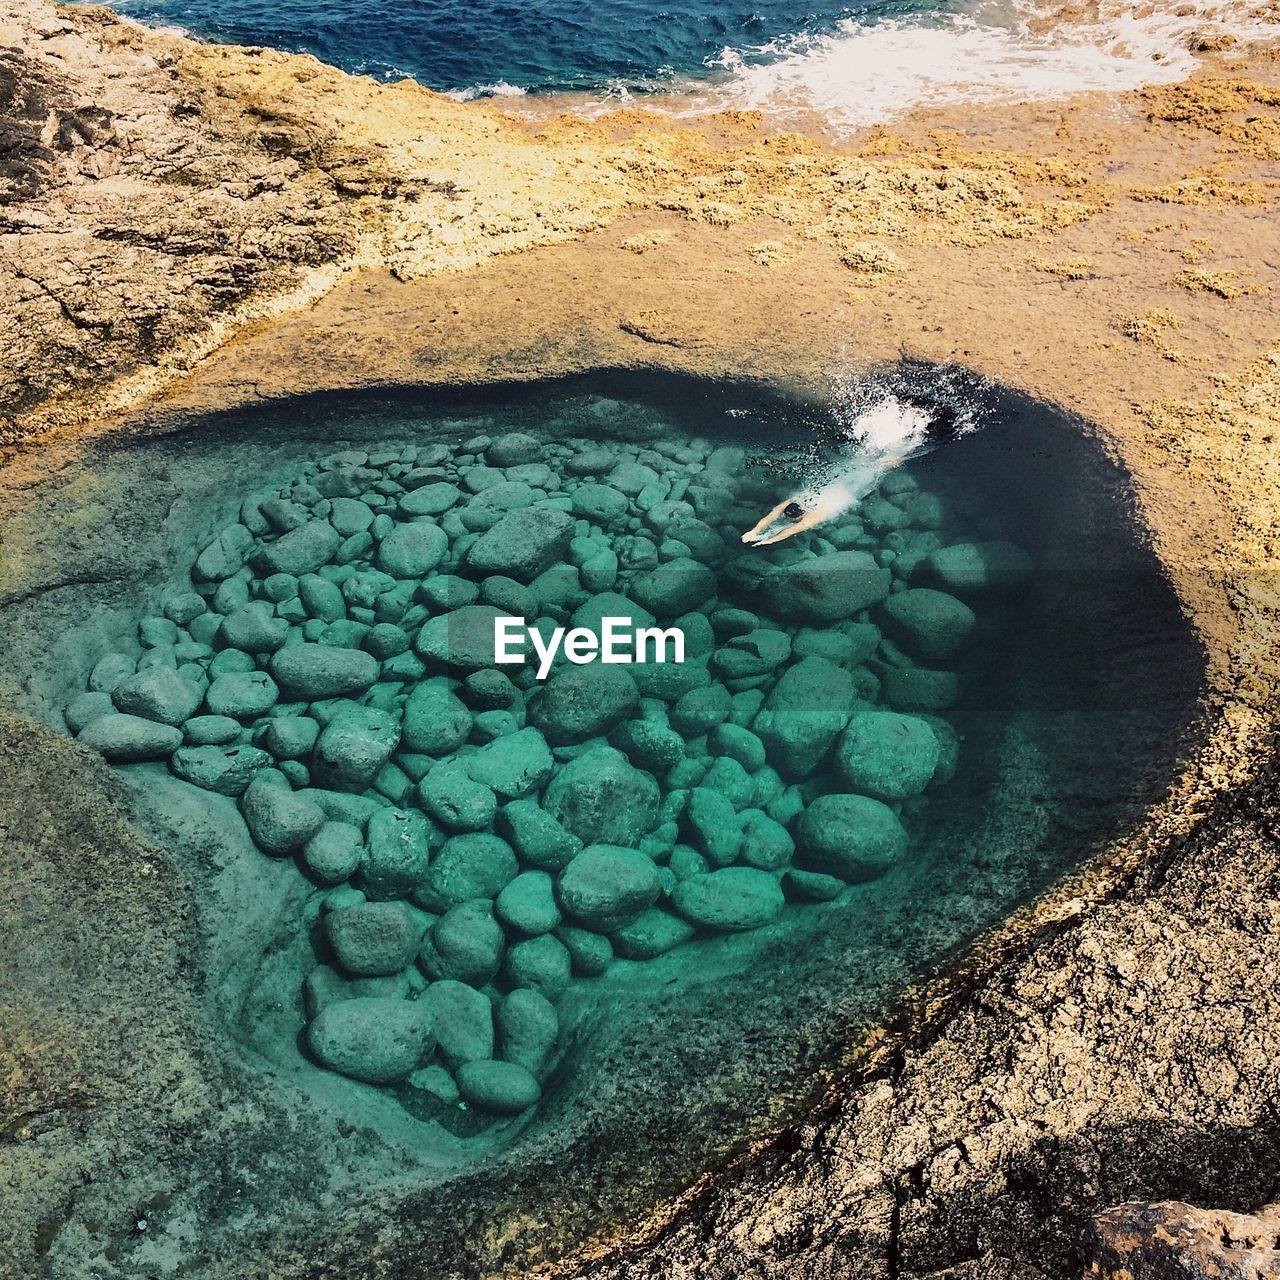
{"x": 734, "y": 898}
{"x": 887, "y": 755}
{"x": 827, "y": 588}
{"x": 606, "y": 886}
{"x": 804, "y": 715}
{"x": 522, "y": 544}
{"x": 126, "y": 738}
{"x": 372, "y": 939}
{"x": 375, "y": 1039}
{"x": 311, "y": 672}
{"x": 601, "y": 797}
{"x": 931, "y": 625}
{"x": 584, "y": 702}
{"x": 853, "y": 837}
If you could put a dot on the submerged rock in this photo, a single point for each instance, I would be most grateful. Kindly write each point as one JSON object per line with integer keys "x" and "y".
{"x": 127, "y": 738}
{"x": 734, "y": 898}
{"x": 827, "y": 588}
{"x": 601, "y": 797}
{"x": 376, "y": 1040}
{"x": 886, "y": 755}
{"x": 931, "y": 625}
{"x": 522, "y": 544}
{"x": 504, "y": 1088}
{"x": 606, "y": 887}
{"x": 373, "y": 938}
{"x": 853, "y": 837}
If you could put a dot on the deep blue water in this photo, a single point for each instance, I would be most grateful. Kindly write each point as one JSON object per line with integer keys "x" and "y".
{"x": 540, "y": 45}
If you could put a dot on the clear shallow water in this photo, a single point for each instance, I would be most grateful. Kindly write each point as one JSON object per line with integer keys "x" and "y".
{"x": 1075, "y": 690}
{"x": 853, "y": 64}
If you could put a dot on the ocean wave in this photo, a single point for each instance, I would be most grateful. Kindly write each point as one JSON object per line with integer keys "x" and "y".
{"x": 995, "y": 52}
{"x": 499, "y": 89}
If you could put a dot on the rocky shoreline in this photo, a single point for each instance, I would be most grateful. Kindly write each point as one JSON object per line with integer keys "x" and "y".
{"x": 187, "y": 228}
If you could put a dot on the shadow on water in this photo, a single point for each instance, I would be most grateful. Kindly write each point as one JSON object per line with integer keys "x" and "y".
{"x": 1080, "y": 694}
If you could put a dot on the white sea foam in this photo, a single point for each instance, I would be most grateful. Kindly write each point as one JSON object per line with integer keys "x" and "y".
{"x": 498, "y": 89}
{"x": 996, "y": 51}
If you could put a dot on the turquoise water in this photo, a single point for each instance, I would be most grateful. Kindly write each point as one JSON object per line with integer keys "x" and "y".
{"x": 551, "y": 46}
{"x": 576, "y": 1067}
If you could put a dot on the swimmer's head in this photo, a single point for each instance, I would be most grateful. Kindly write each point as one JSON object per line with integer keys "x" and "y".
{"x": 793, "y": 511}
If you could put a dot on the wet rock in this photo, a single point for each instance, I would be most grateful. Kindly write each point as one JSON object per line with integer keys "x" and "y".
{"x": 514, "y": 765}
{"x": 528, "y": 903}
{"x": 590, "y": 953}
{"x": 225, "y": 555}
{"x": 971, "y": 567}
{"x": 241, "y": 694}
{"x": 455, "y": 800}
{"x": 350, "y": 516}
{"x": 281, "y": 821}
{"x": 700, "y": 710}
{"x": 651, "y": 934}
{"x": 827, "y": 588}
{"x": 373, "y": 1039}
{"x": 430, "y": 499}
{"x": 920, "y": 689}
{"x": 291, "y": 737}
{"x": 713, "y": 824}
{"x": 599, "y": 503}
{"x": 397, "y": 853}
{"x": 853, "y": 837}
{"x": 109, "y": 671}
{"x": 435, "y": 720}
{"x": 254, "y": 628}
{"x": 353, "y": 747}
{"x": 735, "y": 898}
{"x": 333, "y": 854}
{"x": 930, "y": 625}
{"x": 810, "y": 886}
{"x": 522, "y": 544}
{"x": 226, "y": 770}
{"x": 541, "y": 964}
{"x": 462, "y": 1019}
{"x": 311, "y": 672}
{"x": 766, "y": 844}
{"x": 601, "y": 797}
{"x": 462, "y": 639}
{"x": 538, "y": 838}
{"x": 412, "y": 550}
{"x": 473, "y": 865}
{"x": 886, "y": 755}
{"x": 513, "y": 449}
{"x": 755, "y": 654}
{"x": 606, "y": 886}
{"x": 649, "y": 744}
{"x": 208, "y": 731}
{"x": 374, "y": 939}
{"x": 584, "y": 702}
{"x": 158, "y": 693}
{"x": 302, "y": 550}
{"x": 126, "y": 738}
{"x": 466, "y": 944}
{"x": 503, "y": 1088}
{"x": 527, "y": 1027}
{"x": 804, "y": 714}
{"x": 676, "y": 587}
{"x": 738, "y": 744}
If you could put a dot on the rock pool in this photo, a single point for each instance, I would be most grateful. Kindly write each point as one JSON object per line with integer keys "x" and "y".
{"x": 628, "y": 912}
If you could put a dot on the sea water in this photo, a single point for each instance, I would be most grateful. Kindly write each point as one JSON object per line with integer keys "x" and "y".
{"x": 852, "y": 63}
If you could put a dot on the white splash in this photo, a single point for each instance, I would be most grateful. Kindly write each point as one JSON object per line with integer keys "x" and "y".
{"x": 498, "y": 89}
{"x": 881, "y": 437}
{"x": 996, "y": 51}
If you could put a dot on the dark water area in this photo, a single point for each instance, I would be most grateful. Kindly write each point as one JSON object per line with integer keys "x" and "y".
{"x": 888, "y": 733}
{"x": 555, "y": 45}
